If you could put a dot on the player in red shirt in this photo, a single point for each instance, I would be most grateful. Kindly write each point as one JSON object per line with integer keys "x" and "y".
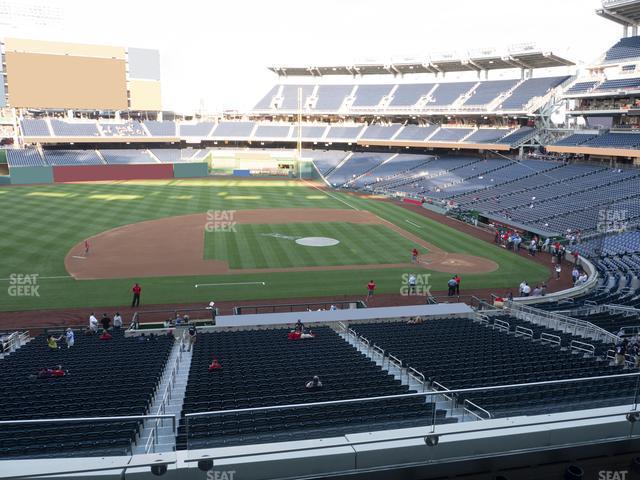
{"x": 414, "y": 255}
{"x": 371, "y": 286}
{"x": 86, "y": 248}
{"x": 136, "y": 295}
{"x": 458, "y": 280}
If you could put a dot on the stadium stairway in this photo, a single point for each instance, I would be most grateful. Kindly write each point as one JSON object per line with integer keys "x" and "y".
{"x": 174, "y": 381}
{"x": 442, "y": 402}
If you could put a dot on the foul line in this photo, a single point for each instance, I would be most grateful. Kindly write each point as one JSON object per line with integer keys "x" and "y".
{"x": 224, "y": 284}
{"x": 331, "y": 195}
{"x": 414, "y": 224}
{"x": 39, "y": 278}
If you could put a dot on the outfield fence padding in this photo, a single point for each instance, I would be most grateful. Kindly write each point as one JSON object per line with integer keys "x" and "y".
{"x": 190, "y": 170}
{"x": 87, "y": 173}
{"x": 31, "y": 175}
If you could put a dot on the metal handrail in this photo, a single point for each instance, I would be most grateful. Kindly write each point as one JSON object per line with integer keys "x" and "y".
{"x": 561, "y": 322}
{"x": 469, "y": 402}
{"x": 527, "y": 332}
{"x": 551, "y": 338}
{"x": 355, "y": 443}
{"x": 396, "y": 361}
{"x": 379, "y": 350}
{"x": 501, "y": 325}
{"x": 410, "y": 395}
{"x": 87, "y": 419}
{"x": 153, "y": 435}
{"x": 582, "y": 347}
{"x": 417, "y": 375}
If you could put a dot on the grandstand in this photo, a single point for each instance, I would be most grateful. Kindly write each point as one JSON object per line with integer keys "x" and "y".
{"x": 451, "y": 155}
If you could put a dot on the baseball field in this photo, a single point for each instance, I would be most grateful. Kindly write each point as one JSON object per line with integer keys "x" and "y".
{"x": 190, "y": 241}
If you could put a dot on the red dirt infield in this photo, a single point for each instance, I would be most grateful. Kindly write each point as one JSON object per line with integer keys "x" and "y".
{"x": 174, "y": 246}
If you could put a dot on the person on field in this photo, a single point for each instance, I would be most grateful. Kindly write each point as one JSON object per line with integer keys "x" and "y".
{"x": 371, "y": 287}
{"x": 458, "y": 280}
{"x": 558, "y": 271}
{"x": 414, "y": 255}
{"x": 412, "y": 284}
{"x": 452, "y": 284}
{"x": 137, "y": 289}
{"x": 86, "y": 248}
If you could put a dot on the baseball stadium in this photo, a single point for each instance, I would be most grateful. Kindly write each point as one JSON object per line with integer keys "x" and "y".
{"x": 415, "y": 268}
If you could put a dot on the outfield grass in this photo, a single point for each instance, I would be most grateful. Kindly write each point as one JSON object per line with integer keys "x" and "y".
{"x": 41, "y": 224}
{"x": 274, "y": 246}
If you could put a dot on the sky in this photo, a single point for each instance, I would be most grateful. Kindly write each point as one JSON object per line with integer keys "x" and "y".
{"x": 215, "y": 54}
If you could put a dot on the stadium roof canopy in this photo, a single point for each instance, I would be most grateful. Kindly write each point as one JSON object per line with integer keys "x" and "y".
{"x": 488, "y": 60}
{"x": 625, "y": 12}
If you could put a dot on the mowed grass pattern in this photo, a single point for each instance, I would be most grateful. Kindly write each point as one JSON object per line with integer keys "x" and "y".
{"x": 41, "y": 223}
{"x": 263, "y": 245}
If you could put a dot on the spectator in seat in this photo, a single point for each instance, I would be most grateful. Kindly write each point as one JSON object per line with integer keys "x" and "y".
{"x": 117, "y": 321}
{"x": 575, "y": 274}
{"x": 299, "y": 326}
{"x": 620, "y": 351}
{"x": 105, "y": 335}
{"x": 314, "y": 384}
{"x": 93, "y": 323}
{"x": 634, "y": 353}
{"x": 105, "y": 321}
{"x": 307, "y": 335}
{"x": 70, "y": 337}
{"x": 52, "y": 342}
{"x": 54, "y": 372}
{"x": 215, "y": 365}
{"x": 294, "y": 335}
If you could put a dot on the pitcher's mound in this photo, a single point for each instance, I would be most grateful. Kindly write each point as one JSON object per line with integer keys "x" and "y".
{"x": 317, "y": 241}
